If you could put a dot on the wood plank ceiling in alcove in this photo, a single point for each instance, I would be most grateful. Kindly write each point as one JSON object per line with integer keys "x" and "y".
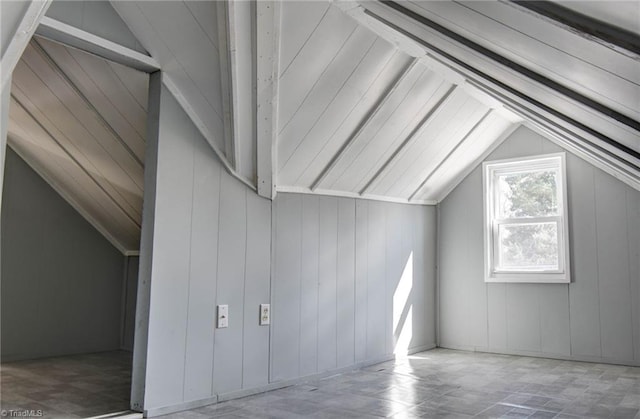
{"x": 80, "y": 122}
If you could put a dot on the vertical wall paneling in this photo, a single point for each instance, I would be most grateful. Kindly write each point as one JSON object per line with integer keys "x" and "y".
{"x": 206, "y": 241}
{"x": 230, "y": 288}
{"x": 595, "y": 317}
{"x": 285, "y": 300}
{"x": 364, "y": 266}
{"x": 171, "y": 257}
{"x": 398, "y": 289}
{"x": 309, "y": 309}
{"x": 583, "y": 295}
{"x": 633, "y": 215}
{"x": 376, "y": 281}
{"x": 203, "y": 266}
{"x": 255, "y": 365}
{"x": 345, "y": 292}
{"x": 361, "y": 273}
{"x": 327, "y": 291}
{"x": 613, "y": 268}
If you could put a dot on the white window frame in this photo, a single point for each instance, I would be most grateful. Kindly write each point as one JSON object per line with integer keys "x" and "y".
{"x": 490, "y": 171}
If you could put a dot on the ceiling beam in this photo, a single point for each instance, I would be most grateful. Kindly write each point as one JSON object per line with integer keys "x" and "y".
{"x": 18, "y": 41}
{"x": 236, "y": 45}
{"x": 364, "y": 123}
{"x": 450, "y": 153}
{"x": 531, "y": 100}
{"x": 268, "y": 17}
{"x": 69, "y": 35}
{"x": 411, "y": 138}
{"x": 611, "y": 35}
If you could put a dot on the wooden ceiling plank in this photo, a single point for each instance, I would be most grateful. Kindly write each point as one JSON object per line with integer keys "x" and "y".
{"x": 432, "y": 147}
{"x": 88, "y": 103}
{"x": 364, "y": 123}
{"x": 413, "y": 135}
{"x": 362, "y": 88}
{"x": 473, "y": 130}
{"x": 132, "y": 209}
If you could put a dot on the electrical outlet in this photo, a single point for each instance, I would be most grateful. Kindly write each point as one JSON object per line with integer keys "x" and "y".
{"x": 265, "y": 314}
{"x": 223, "y": 316}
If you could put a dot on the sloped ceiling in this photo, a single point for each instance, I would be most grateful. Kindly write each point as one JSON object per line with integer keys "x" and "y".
{"x": 358, "y": 117}
{"x": 80, "y": 122}
{"x": 376, "y": 100}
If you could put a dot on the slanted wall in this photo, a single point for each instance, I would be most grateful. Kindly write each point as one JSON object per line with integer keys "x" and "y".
{"x": 596, "y": 317}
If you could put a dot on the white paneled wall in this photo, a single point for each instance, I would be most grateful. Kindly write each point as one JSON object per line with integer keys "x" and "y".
{"x": 211, "y": 245}
{"x": 340, "y": 275}
{"x": 595, "y": 317}
{"x": 353, "y": 281}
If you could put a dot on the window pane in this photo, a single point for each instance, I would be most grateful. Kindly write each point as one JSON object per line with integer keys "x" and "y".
{"x": 528, "y": 194}
{"x": 528, "y": 246}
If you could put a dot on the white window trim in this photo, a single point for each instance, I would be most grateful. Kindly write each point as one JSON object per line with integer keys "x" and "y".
{"x": 489, "y": 169}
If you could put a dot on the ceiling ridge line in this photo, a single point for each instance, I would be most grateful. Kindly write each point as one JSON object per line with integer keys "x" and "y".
{"x": 450, "y": 153}
{"x": 53, "y": 137}
{"x": 427, "y": 118}
{"x": 364, "y": 123}
{"x": 77, "y": 90}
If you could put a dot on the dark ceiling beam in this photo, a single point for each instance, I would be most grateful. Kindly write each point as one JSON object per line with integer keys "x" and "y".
{"x": 585, "y": 24}
{"x": 635, "y": 125}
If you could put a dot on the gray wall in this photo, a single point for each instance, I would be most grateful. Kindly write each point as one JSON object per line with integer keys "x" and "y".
{"x": 338, "y": 263}
{"x": 129, "y": 295}
{"x": 595, "y": 317}
{"x": 61, "y": 280}
{"x": 208, "y": 240}
{"x": 210, "y": 245}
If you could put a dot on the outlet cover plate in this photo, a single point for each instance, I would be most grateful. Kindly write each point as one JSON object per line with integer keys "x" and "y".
{"x": 265, "y": 314}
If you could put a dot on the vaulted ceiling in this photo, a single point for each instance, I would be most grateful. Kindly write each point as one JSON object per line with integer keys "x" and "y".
{"x": 376, "y": 100}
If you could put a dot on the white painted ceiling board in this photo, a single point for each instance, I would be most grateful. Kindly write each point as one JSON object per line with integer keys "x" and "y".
{"x": 311, "y": 62}
{"x": 324, "y": 91}
{"x": 589, "y": 68}
{"x": 103, "y": 88}
{"x": 450, "y": 122}
{"x": 365, "y": 88}
{"x": 470, "y": 152}
{"x": 299, "y": 21}
{"x": 622, "y": 13}
{"x": 76, "y": 119}
{"x": 47, "y": 94}
{"x": 96, "y": 17}
{"x": 382, "y": 143}
{"x": 186, "y": 53}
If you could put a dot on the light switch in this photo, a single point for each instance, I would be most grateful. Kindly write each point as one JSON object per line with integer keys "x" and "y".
{"x": 265, "y": 314}
{"x": 223, "y": 316}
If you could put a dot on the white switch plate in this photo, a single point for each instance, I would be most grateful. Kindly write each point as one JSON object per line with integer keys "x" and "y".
{"x": 265, "y": 314}
{"x": 223, "y": 316}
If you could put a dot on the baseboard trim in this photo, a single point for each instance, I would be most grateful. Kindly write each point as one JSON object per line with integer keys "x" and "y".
{"x": 158, "y": 411}
{"x": 561, "y": 357}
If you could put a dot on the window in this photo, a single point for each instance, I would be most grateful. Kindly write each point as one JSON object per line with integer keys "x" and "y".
{"x": 526, "y": 229}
